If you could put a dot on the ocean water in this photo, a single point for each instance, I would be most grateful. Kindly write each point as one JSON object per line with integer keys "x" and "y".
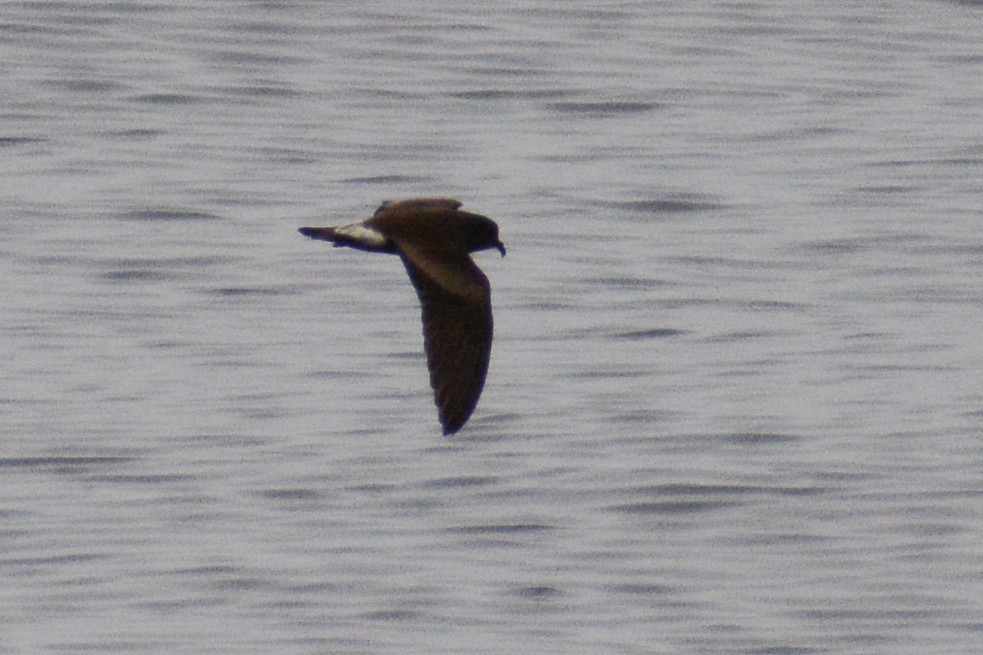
{"x": 736, "y": 391}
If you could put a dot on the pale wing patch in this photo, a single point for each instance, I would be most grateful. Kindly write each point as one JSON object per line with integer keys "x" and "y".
{"x": 457, "y": 275}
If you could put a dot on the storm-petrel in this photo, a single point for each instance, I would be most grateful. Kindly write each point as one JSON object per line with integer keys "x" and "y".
{"x": 434, "y": 239}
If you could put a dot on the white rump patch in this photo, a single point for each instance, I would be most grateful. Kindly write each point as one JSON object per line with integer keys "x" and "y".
{"x": 358, "y": 233}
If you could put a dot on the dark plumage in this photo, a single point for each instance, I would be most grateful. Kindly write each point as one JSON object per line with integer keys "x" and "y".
{"x": 434, "y": 239}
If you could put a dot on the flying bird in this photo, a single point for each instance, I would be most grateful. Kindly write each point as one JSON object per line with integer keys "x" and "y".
{"x": 434, "y": 239}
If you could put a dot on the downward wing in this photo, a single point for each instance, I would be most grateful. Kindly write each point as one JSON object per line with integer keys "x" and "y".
{"x": 455, "y": 298}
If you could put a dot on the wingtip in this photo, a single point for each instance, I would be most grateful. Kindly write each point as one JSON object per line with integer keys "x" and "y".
{"x": 451, "y": 424}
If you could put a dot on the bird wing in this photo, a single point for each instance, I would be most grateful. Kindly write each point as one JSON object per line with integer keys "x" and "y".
{"x": 455, "y": 298}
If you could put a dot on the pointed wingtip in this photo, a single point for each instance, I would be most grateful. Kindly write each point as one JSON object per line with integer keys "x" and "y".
{"x": 451, "y": 424}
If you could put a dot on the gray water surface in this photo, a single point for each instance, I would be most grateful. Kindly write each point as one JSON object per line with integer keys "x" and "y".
{"x": 736, "y": 390}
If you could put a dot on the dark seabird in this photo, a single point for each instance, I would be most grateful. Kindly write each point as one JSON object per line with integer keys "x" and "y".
{"x": 434, "y": 238}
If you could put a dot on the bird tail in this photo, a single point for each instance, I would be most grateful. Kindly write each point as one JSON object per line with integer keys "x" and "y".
{"x": 322, "y": 234}
{"x": 356, "y": 235}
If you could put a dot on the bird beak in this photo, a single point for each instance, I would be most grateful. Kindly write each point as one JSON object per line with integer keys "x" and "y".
{"x": 501, "y": 247}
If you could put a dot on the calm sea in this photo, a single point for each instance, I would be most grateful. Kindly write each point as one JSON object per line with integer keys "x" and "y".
{"x": 735, "y": 402}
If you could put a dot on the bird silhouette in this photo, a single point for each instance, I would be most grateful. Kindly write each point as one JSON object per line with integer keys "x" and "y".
{"x": 434, "y": 239}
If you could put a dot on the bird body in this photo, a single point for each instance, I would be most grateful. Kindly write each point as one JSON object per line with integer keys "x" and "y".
{"x": 434, "y": 239}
